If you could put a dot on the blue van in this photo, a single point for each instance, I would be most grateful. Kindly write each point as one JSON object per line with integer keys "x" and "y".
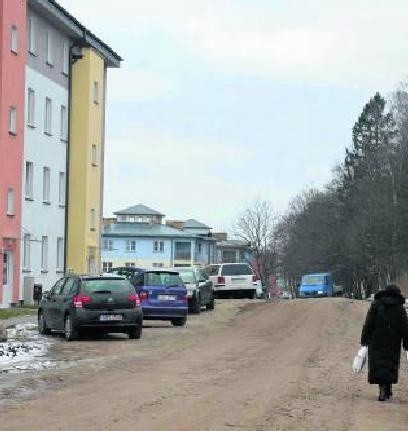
{"x": 163, "y": 295}
{"x": 316, "y": 285}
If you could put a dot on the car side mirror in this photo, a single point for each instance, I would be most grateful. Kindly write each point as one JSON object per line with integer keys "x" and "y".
{"x": 46, "y": 294}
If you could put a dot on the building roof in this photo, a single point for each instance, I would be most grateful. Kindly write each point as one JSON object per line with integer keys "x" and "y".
{"x": 139, "y": 209}
{"x": 83, "y": 36}
{"x": 233, "y": 243}
{"x": 194, "y": 224}
{"x": 147, "y": 230}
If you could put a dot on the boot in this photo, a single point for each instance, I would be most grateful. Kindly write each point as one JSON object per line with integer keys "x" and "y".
{"x": 383, "y": 393}
{"x": 389, "y": 391}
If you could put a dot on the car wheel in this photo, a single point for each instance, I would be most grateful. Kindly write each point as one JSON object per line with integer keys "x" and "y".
{"x": 42, "y": 324}
{"x": 179, "y": 322}
{"x": 211, "y": 304}
{"x": 196, "y": 307}
{"x": 70, "y": 330}
{"x": 135, "y": 333}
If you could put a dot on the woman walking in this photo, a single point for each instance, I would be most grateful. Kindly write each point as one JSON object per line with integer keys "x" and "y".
{"x": 385, "y": 327}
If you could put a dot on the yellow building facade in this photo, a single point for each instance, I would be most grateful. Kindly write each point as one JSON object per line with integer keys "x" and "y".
{"x": 86, "y": 151}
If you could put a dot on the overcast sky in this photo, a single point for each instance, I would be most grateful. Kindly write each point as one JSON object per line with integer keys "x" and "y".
{"x": 219, "y": 101}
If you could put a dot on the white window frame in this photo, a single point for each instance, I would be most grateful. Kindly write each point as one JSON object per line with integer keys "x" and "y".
{"x": 29, "y": 181}
{"x": 44, "y": 254}
{"x": 60, "y": 254}
{"x": 108, "y": 244}
{"x": 65, "y": 58}
{"x": 161, "y": 247}
{"x": 31, "y": 36}
{"x": 46, "y": 185}
{"x": 64, "y": 123}
{"x": 130, "y": 264}
{"x": 26, "y": 252}
{"x": 93, "y": 219}
{"x": 131, "y": 246}
{"x": 61, "y": 189}
{"x": 96, "y": 92}
{"x": 31, "y": 108}
{"x": 48, "y": 116}
{"x": 11, "y": 200}
{"x": 12, "y": 121}
{"x": 106, "y": 266}
{"x": 94, "y": 155}
{"x": 158, "y": 265}
{"x": 14, "y": 39}
{"x": 50, "y": 59}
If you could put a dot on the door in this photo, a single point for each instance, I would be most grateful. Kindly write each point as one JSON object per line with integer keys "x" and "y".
{"x": 50, "y": 305}
{"x": 63, "y": 299}
{"x": 7, "y": 278}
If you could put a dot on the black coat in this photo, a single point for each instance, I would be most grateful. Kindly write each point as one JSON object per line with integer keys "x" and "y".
{"x": 386, "y": 326}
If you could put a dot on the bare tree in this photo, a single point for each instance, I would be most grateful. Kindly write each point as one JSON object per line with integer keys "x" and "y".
{"x": 255, "y": 225}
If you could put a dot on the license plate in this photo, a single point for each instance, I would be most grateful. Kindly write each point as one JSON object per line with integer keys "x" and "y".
{"x": 236, "y": 280}
{"x": 166, "y": 297}
{"x": 109, "y": 317}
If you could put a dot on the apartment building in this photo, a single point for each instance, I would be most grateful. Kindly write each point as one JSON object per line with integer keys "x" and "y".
{"x": 52, "y": 105}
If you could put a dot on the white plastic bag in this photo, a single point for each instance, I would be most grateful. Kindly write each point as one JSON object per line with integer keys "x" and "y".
{"x": 360, "y": 359}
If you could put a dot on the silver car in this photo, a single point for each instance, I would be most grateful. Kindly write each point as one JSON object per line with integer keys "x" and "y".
{"x": 199, "y": 289}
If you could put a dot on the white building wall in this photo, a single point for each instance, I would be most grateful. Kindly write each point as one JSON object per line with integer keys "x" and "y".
{"x": 40, "y": 219}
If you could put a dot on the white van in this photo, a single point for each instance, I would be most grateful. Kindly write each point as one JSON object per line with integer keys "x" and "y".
{"x": 234, "y": 279}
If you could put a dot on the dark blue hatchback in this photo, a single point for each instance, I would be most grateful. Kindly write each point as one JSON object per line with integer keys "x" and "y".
{"x": 162, "y": 294}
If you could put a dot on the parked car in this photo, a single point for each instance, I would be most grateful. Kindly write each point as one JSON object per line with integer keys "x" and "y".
{"x": 125, "y": 271}
{"x": 94, "y": 303}
{"x": 236, "y": 279}
{"x": 162, "y": 294}
{"x": 199, "y": 289}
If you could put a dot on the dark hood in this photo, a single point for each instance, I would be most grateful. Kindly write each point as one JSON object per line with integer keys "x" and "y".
{"x": 390, "y": 297}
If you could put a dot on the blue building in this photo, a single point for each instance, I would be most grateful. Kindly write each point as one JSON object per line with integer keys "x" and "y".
{"x": 137, "y": 237}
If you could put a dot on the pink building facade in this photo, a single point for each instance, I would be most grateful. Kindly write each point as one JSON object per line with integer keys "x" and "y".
{"x": 12, "y": 93}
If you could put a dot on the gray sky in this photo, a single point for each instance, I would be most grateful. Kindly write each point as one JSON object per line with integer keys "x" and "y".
{"x": 220, "y": 101}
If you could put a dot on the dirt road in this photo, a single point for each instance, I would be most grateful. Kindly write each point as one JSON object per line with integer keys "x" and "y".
{"x": 257, "y": 367}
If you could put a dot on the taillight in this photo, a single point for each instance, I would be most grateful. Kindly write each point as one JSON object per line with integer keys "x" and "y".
{"x": 134, "y": 297}
{"x": 143, "y": 296}
{"x": 255, "y": 278}
{"x": 221, "y": 280}
{"x": 80, "y": 300}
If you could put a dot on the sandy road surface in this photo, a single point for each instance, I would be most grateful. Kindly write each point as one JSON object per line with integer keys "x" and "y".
{"x": 266, "y": 366}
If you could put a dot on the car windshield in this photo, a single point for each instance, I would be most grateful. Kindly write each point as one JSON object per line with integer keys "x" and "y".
{"x": 106, "y": 285}
{"x": 187, "y": 276}
{"x": 313, "y": 280}
{"x": 212, "y": 270}
{"x": 160, "y": 278}
{"x": 236, "y": 270}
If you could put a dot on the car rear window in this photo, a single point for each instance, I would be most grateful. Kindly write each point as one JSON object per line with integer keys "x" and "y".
{"x": 107, "y": 286}
{"x": 236, "y": 270}
{"x": 160, "y": 278}
{"x": 212, "y": 270}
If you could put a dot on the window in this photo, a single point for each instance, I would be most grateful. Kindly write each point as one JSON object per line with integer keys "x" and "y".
{"x": 31, "y": 107}
{"x": 182, "y": 250}
{"x": 28, "y": 186}
{"x": 107, "y": 266}
{"x": 49, "y": 48}
{"x": 60, "y": 254}
{"x": 131, "y": 245}
{"x": 96, "y": 92}
{"x": 26, "y": 251}
{"x": 14, "y": 39}
{"x": 12, "y": 120}
{"x": 158, "y": 246}
{"x": 65, "y": 59}
{"x": 46, "y": 184}
{"x": 48, "y": 116}
{"x": 70, "y": 287}
{"x": 44, "y": 254}
{"x": 130, "y": 264}
{"x": 31, "y": 35}
{"x": 64, "y": 123}
{"x": 10, "y": 202}
{"x": 158, "y": 265}
{"x": 61, "y": 189}
{"x": 93, "y": 219}
{"x": 199, "y": 248}
{"x": 108, "y": 244}
{"x": 238, "y": 269}
{"x": 94, "y": 155}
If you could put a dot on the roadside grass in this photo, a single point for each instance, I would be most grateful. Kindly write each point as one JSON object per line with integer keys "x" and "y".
{"x": 7, "y": 313}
